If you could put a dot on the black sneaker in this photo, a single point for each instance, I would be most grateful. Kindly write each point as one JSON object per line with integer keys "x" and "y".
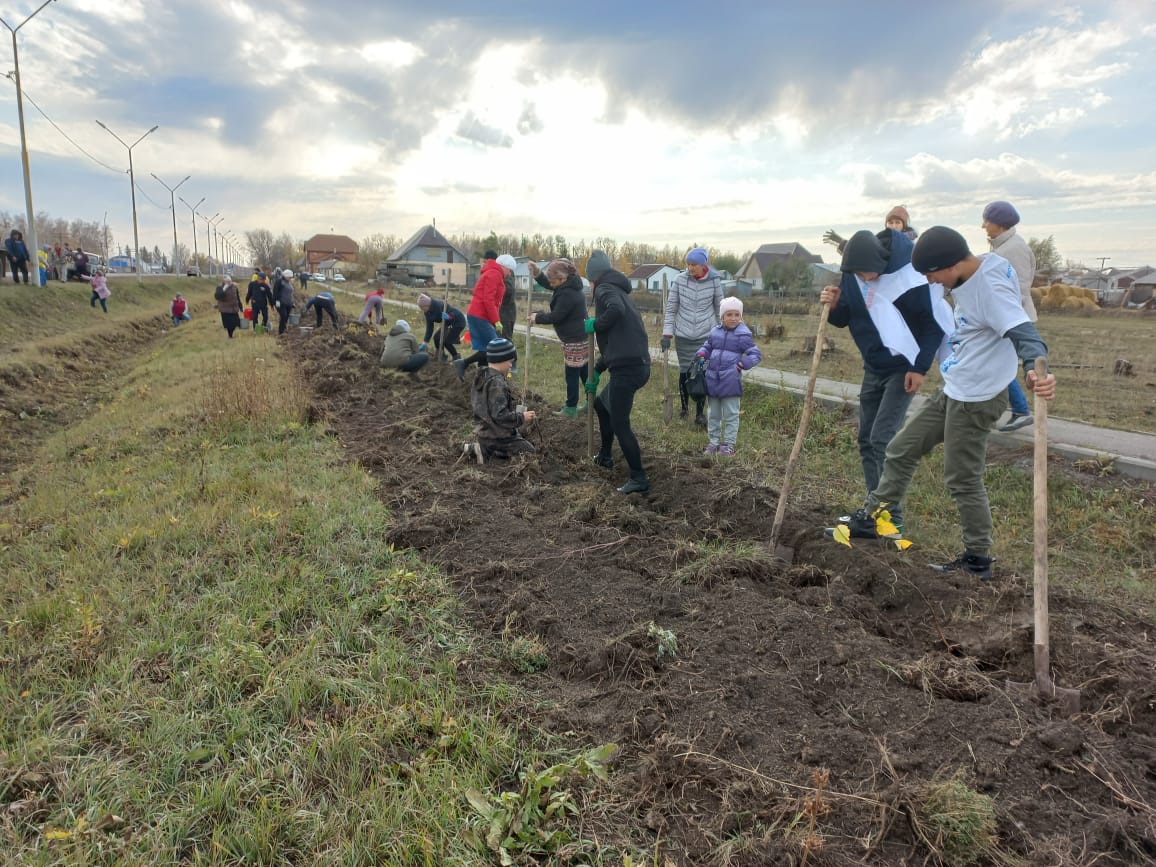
{"x": 861, "y": 525}
{"x": 604, "y": 460}
{"x": 1017, "y": 420}
{"x": 973, "y": 564}
{"x": 460, "y": 367}
{"x": 636, "y": 485}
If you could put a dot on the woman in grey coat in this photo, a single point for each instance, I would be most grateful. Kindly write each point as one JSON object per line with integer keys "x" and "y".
{"x": 691, "y": 313}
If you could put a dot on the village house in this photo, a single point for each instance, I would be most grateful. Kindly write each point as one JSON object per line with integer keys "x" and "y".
{"x": 649, "y": 277}
{"x": 429, "y": 256}
{"x": 327, "y": 253}
{"x": 764, "y": 258}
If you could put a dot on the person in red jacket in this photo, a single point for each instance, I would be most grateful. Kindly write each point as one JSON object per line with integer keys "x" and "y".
{"x": 179, "y": 310}
{"x": 482, "y": 314}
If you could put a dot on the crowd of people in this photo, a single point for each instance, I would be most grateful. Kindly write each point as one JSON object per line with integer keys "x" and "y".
{"x": 909, "y": 300}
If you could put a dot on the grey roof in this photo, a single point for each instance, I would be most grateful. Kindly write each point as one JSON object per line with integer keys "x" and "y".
{"x": 642, "y": 272}
{"x": 426, "y": 236}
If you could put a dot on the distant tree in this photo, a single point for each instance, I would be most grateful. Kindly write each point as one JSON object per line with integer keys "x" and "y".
{"x": 1048, "y": 261}
{"x": 285, "y": 251}
{"x": 561, "y": 248}
{"x": 792, "y": 274}
{"x": 260, "y": 241}
{"x": 375, "y": 249}
{"x": 726, "y": 262}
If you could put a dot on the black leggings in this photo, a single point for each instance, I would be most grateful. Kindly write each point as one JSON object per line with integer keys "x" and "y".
{"x": 614, "y": 405}
{"x": 261, "y": 311}
{"x": 453, "y": 337}
{"x": 283, "y": 317}
{"x": 322, "y": 307}
{"x": 575, "y": 379}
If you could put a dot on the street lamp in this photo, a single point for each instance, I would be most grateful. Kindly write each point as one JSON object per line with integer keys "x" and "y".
{"x": 209, "y": 242}
{"x": 33, "y": 246}
{"x": 132, "y": 185}
{"x": 193, "y": 220}
{"x": 173, "y": 207}
{"x": 216, "y": 245}
{"x": 225, "y": 244}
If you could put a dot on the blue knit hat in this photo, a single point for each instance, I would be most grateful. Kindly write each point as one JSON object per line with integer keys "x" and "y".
{"x": 697, "y": 256}
{"x": 500, "y": 349}
{"x": 1002, "y": 214}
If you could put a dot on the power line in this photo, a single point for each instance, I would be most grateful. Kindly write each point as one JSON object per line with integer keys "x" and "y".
{"x": 67, "y": 136}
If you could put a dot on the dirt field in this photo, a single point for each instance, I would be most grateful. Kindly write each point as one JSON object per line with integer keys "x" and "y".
{"x": 857, "y": 662}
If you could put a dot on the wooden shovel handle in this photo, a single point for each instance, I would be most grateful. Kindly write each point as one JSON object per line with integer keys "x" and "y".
{"x": 1042, "y": 639}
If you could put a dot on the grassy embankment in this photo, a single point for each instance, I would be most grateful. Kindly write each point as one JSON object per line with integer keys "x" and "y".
{"x": 207, "y": 654}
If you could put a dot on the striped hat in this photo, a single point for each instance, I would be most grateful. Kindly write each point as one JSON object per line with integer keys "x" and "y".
{"x": 500, "y": 349}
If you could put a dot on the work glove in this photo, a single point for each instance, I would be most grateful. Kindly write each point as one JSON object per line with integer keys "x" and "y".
{"x": 592, "y": 382}
{"x": 589, "y": 326}
{"x": 831, "y": 238}
{"x": 445, "y": 317}
{"x": 664, "y": 344}
{"x": 498, "y": 326}
{"x": 421, "y": 347}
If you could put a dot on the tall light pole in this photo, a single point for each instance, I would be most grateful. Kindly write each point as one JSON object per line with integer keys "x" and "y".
{"x": 216, "y": 246}
{"x": 193, "y": 220}
{"x": 209, "y": 242}
{"x": 132, "y": 185}
{"x": 173, "y": 207}
{"x": 30, "y": 224}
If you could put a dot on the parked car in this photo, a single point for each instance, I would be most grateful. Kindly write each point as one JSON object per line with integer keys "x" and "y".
{"x": 319, "y": 277}
{"x": 338, "y": 278}
{"x": 193, "y": 271}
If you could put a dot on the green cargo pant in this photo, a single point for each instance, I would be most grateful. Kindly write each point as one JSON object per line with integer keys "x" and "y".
{"x": 963, "y": 428}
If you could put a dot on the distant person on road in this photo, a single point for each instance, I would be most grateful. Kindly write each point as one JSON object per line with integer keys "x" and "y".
{"x": 991, "y": 333}
{"x": 728, "y": 351}
{"x": 229, "y": 305}
{"x": 482, "y": 313}
{"x": 495, "y": 409}
{"x": 322, "y": 303}
{"x": 80, "y": 266}
{"x": 897, "y": 218}
{"x": 100, "y": 291}
{"x": 623, "y": 350}
{"x": 401, "y": 349}
{"x": 259, "y": 296}
{"x": 303, "y": 277}
{"x": 691, "y": 312}
{"x": 999, "y": 222}
{"x": 179, "y": 309}
{"x": 17, "y": 252}
{"x": 887, "y": 306}
{"x": 568, "y": 316}
{"x": 435, "y": 313}
{"x": 374, "y": 307}
{"x": 282, "y": 299}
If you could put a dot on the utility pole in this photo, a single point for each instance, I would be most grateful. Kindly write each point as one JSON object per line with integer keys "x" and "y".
{"x": 132, "y": 188}
{"x": 1100, "y": 277}
{"x": 173, "y": 208}
{"x": 193, "y": 220}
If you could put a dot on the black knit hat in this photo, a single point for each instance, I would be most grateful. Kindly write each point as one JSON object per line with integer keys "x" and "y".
{"x": 938, "y": 248}
{"x": 500, "y": 349}
{"x": 864, "y": 253}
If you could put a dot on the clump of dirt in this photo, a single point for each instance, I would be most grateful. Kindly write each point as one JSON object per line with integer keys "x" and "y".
{"x": 732, "y": 681}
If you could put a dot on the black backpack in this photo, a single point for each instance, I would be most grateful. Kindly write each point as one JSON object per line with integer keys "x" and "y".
{"x": 219, "y": 293}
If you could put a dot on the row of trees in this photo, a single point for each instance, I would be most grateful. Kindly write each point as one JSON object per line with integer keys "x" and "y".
{"x": 51, "y": 231}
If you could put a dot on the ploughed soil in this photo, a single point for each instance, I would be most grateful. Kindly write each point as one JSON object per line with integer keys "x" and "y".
{"x": 811, "y": 712}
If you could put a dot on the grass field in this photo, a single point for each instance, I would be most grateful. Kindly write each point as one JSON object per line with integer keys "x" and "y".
{"x": 209, "y": 656}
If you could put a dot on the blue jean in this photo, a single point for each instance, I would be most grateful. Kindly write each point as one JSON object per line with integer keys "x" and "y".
{"x": 481, "y": 333}
{"x": 882, "y": 406}
{"x": 1017, "y": 399}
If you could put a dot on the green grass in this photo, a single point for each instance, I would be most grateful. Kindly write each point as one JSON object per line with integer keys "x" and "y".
{"x": 207, "y": 654}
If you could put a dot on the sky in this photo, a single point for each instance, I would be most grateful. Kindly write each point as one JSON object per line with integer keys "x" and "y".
{"x": 728, "y": 124}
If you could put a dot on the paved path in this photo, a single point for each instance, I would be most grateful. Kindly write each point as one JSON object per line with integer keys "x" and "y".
{"x": 1132, "y": 452}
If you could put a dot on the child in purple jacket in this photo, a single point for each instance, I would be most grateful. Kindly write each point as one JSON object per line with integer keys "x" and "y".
{"x": 729, "y": 350}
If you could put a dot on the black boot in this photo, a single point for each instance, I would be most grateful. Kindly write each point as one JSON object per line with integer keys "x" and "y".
{"x": 638, "y": 484}
{"x": 699, "y": 418}
{"x": 603, "y": 459}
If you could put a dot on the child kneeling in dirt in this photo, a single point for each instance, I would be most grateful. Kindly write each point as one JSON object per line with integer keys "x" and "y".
{"x": 495, "y": 409}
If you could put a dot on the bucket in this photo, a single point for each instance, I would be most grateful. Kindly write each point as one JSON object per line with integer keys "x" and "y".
{"x": 294, "y": 318}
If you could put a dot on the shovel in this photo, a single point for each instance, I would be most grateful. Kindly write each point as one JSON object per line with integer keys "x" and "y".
{"x": 526, "y": 361}
{"x": 589, "y": 399}
{"x": 667, "y": 404}
{"x": 1043, "y": 685}
{"x": 442, "y": 354}
{"x": 783, "y": 552}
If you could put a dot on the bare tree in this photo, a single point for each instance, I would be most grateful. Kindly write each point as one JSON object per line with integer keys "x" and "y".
{"x": 260, "y": 241}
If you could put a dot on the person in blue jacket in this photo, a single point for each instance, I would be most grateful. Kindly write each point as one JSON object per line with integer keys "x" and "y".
{"x": 435, "y": 312}
{"x": 17, "y": 252}
{"x": 887, "y": 305}
{"x": 728, "y": 351}
{"x": 322, "y": 303}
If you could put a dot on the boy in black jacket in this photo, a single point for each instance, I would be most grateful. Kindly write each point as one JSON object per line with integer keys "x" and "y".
{"x": 495, "y": 409}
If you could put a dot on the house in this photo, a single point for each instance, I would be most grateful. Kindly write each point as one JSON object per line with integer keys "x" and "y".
{"x": 322, "y": 247}
{"x": 738, "y": 288}
{"x": 823, "y": 274}
{"x": 649, "y": 277}
{"x": 1141, "y": 292}
{"x": 428, "y": 250}
{"x": 769, "y": 255}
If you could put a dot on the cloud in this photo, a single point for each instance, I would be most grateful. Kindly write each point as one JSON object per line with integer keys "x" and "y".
{"x": 528, "y": 120}
{"x": 472, "y": 129}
